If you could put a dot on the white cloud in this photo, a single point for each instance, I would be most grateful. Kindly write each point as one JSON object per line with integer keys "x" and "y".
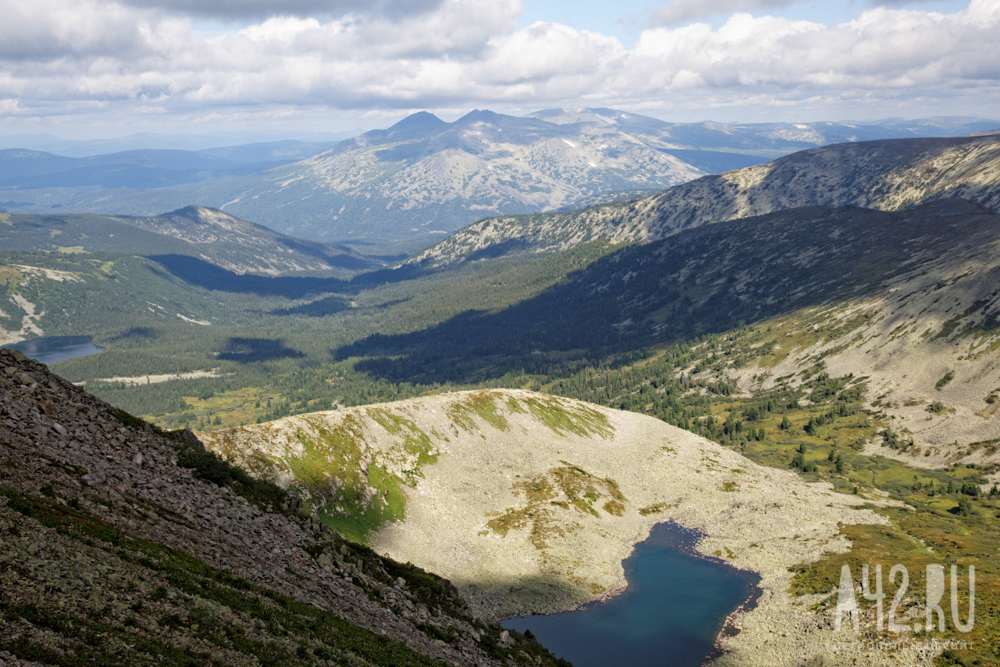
{"x": 544, "y": 52}
{"x": 9, "y": 107}
{"x": 249, "y": 9}
{"x": 46, "y": 31}
{"x": 682, "y": 11}
{"x": 60, "y": 54}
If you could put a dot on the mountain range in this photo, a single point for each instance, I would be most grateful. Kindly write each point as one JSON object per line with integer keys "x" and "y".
{"x": 799, "y": 359}
{"x": 408, "y": 185}
{"x": 144, "y": 169}
{"x": 883, "y": 175}
{"x": 902, "y": 298}
{"x": 787, "y": 237}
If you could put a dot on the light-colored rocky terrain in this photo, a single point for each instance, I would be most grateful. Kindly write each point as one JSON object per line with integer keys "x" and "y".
{"x": 19, "y": 315}
{"x": 926, "y": 340}
{"x": 528, "y": 503}
{"x": 882, "y": 175}
{"x": 765, "y": 139}
{"x": 424, "y": 176}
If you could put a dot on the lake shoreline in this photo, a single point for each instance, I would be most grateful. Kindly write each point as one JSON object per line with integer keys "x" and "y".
{"x": 673, "y": 536}
{"x": 687, "y": 543}
{"x": 730, "y": 626}
{"x": 52, "y": 349}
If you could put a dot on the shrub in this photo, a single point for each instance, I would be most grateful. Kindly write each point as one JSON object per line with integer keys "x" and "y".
{"x": 211, "y": 467}
{"x": 948, "y": 377}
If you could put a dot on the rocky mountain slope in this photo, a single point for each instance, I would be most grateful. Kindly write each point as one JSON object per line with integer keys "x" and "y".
{"x": 903, "y": 298}
{"x": 423, "y": 176}
{"x": 884, "y": 175}
{"x": 216, "y": 237}
{"x": 909, "y": 300}
{"x": 529, "y": 502}
{"x": 120, "y": 546}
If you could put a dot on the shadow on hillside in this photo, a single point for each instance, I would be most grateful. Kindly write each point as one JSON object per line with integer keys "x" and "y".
{"x": 146, "y": 333}
{"x": 320, "y": 308}
{"x": 320, "y": 251}
{"x": 532, "y": 591}
{"x": 563, "y": 328}
{"x": 494, "y": 250}
{"x": 707, "y": 280}
{"x": 209, "y": 276}
{"x": 204, "y": 274}
{"x": 252, "y": 350}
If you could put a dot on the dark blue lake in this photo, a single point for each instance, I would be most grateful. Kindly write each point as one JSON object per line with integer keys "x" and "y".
{"x": 671, "y": 613}
{"x": 56, "y": 348}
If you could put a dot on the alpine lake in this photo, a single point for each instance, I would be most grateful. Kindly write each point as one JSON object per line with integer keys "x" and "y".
{"x": 671, "y": 613}
{"x": 56, "y": 348}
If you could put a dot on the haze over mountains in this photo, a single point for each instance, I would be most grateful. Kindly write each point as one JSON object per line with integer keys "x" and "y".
{"x": 148, "y": 141}
{"x": 423, "y": 177}
{"x": 143, "y": 169}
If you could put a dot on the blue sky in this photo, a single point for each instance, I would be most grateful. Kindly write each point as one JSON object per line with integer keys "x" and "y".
{"x": 91, "y": 68}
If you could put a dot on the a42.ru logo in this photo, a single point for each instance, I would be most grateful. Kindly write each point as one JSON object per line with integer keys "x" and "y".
{"x": 934, "y": 616}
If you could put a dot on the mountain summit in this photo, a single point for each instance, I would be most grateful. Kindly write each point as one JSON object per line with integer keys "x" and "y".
{"x": 424, "y": 176}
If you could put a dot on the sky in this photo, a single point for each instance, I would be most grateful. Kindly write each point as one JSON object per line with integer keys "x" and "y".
{"x": 104, "y": 68}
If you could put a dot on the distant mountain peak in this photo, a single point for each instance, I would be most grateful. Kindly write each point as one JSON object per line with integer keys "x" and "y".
{"x": 478, "y": 116}
{"x": 204, "y": 215}
{"x": 193, "y": 210}
{"x": 421, "y": 121}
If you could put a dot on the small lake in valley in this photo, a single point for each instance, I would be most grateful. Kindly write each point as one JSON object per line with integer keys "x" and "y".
{"x": 56, "y": 348}
{"x": 671, "y": 613}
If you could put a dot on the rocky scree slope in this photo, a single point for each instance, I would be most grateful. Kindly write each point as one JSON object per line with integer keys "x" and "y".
{"x": 528, "y": 503}
{"x": 245, "y": 247}
{"x": 112, "y": 550}
{"x": 884, "y": 175}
